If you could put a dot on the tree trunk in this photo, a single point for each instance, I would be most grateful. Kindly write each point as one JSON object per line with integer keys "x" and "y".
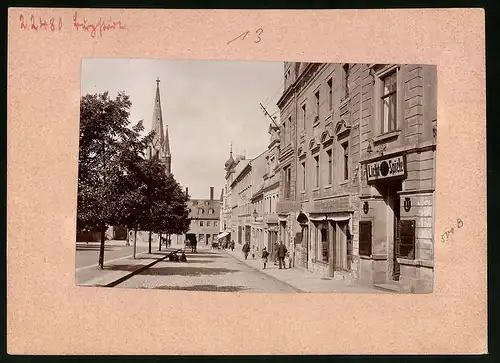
{"x": 135, "y": 240}
{"x": 149, "y": 247}
{"x": 159, "y": 244}
{"x": 101, "y": 250}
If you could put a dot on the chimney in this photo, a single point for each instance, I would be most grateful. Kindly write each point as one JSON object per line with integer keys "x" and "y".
{"x": 211, "y": 193}
{"x": 187, "y": 194}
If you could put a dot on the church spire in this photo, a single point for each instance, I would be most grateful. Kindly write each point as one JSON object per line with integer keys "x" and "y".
{"x": 157, "y": 125}
{"x": 166, "y": 143}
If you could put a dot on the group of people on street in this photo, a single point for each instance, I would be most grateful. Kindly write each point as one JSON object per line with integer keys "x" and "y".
{"x": 280, "y": 254}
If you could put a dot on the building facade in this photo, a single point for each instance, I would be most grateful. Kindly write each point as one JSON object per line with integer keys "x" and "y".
{"x": 258, "y": 167}
{"x": 230, "y": 204}
{"x": 357, "y": 172}
{"x": 205, "y": 218}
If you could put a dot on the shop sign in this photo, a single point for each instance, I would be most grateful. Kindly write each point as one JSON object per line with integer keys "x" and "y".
{"x": 331, "y": 206}
{"x": 287, "y": 206}
{"x": 387, "y": 168}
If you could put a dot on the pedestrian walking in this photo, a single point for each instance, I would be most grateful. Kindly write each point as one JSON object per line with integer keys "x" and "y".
{"x": 246, "y": 249}
{"x": 232, "y": 246}
{"x": 265, "y": 254}
{"x": 281, "y": 255}
{"x": 253, "y": 252}
{"x": 275, "y": 253}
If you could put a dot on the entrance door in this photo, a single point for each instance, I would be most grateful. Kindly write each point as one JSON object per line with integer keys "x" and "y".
{"x": 397, "y": 217}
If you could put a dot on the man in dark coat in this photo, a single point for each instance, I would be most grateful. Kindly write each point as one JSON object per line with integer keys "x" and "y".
{"x": 246, "y": 249}
{"x": 281, "y": 255}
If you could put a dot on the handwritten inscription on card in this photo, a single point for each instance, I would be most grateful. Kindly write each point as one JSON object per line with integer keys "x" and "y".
{"x": 447, "y": 234}
{"x": 256, "y": 39}
{"x": 80, "y": 24}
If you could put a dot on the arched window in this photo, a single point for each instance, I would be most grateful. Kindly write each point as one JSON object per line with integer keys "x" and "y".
{"x": 200, "y": 211}
{"x": 210, "y": 211}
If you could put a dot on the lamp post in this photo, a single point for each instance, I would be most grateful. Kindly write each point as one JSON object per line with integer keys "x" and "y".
{"x": 255, "y": 215}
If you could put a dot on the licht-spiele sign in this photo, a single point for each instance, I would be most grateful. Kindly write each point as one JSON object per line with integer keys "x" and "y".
{"x": 386, "y": 168}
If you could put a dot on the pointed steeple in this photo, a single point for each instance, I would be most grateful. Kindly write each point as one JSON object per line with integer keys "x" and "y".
{"x": 157, "y": 124}
{"x": 167, "y": 158}
{"x": 166, "y": 143}
{"x": 229, "y": 163}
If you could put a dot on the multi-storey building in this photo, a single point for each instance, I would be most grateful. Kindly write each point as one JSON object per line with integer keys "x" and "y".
{"x": 230, "y": 223}
{"x": 204, "y": 215}
{"x": 270, "y": 191}
{"x": 258, "y": 167}
{"x": 356, "y": 158}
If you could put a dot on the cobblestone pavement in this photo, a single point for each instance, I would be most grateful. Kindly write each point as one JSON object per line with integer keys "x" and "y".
{"x": 207, "y": 270}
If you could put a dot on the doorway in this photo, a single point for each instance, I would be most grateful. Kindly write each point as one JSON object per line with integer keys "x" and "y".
{"x": 395, "y": 205}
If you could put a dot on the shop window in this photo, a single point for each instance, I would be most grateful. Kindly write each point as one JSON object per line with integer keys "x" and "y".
{"x": 389, "y": 102}
{"x": 322, "y": 243}
{"x": 365, "y": 238}
{"x": 325, "y": 244}
{"x": 406, "y": 239}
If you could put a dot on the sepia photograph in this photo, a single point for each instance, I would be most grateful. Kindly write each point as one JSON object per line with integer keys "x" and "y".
{"x": 238, "y": 176}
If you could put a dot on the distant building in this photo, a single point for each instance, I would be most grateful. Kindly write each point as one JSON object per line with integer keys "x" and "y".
{"x": 205, "y": 218}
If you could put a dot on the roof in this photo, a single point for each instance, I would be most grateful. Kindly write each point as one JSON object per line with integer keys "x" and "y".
{"x": 240, "y": 167}
{"x": 195, "y": 205}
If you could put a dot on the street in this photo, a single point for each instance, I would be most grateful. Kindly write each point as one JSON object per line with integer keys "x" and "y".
{"x": 207, "y": 270}
{"x": 87, "y": 255}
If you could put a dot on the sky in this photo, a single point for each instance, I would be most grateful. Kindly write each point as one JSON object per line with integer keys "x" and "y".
{"x": 206, "y": 105}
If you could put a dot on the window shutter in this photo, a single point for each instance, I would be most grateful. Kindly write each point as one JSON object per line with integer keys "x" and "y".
{"x": 365, "y": 238}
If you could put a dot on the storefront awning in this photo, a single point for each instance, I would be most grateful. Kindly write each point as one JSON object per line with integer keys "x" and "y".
{"x": 222, "y": 235}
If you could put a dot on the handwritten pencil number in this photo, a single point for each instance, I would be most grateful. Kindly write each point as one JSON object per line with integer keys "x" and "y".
{"x": 259, "y": 33}
{"x": 243, "y": 35}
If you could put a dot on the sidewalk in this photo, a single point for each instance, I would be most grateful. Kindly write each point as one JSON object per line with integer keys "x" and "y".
{"x": 117, "y": 271}
{"x": 303, "y": 281}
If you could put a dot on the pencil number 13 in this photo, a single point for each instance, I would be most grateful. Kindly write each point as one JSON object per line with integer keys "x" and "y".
{"x": 242, "y": 36}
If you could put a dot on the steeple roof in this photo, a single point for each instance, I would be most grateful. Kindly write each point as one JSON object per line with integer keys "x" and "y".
{"x": 166, "y": 143}
{"x": 157, "y": 119}
{"x": 229, "y": 163}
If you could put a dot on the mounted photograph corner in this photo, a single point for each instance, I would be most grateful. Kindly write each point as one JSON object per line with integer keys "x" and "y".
{"x": 237, "y": 176}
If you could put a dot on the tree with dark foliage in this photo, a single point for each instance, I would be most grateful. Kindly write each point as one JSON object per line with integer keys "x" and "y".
{"x": 116, "y": 184}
